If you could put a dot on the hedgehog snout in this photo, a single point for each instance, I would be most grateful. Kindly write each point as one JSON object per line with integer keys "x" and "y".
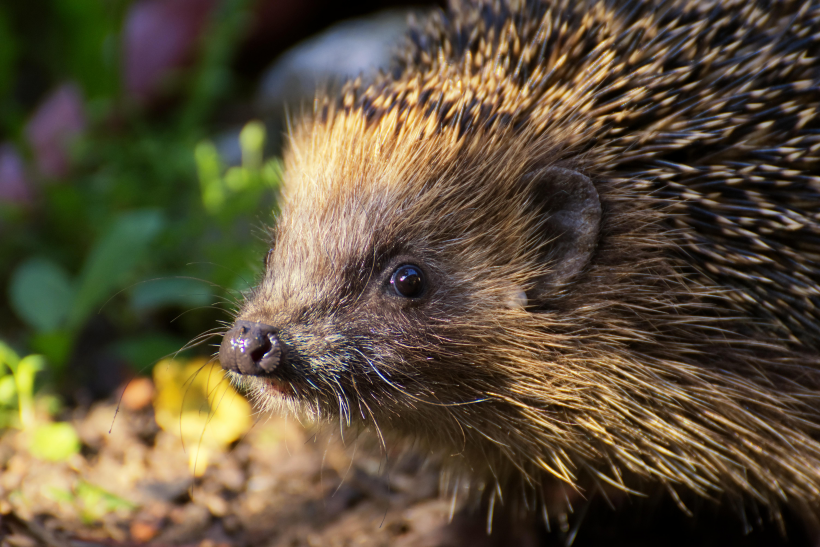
{"x": 251, "y": 348}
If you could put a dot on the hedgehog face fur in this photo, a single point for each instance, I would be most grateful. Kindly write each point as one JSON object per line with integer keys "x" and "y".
{"x": 569, "y": 240}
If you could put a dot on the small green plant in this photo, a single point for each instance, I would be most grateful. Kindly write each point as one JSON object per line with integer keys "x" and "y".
{"x": 227, "y": 193}
{"x": 17, "y": 387}
{"x": 53, "y": 441}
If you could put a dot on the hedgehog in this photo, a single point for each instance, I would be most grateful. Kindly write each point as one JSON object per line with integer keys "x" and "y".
{"x": 563, "y": 243}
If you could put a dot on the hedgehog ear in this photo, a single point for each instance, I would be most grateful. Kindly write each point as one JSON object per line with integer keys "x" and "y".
{"x": 570, "y": 213}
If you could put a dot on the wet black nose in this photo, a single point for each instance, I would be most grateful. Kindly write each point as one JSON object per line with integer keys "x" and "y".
{"x": 251, "y": 348}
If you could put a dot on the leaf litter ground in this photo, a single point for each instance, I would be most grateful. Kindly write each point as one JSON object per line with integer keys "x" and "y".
{"x": 280, "y": 485}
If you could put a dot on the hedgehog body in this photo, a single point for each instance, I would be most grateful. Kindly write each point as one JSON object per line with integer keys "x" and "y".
{"x": 564, "y": 241}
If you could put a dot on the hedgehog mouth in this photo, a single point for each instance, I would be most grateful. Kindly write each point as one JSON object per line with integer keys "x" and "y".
{"x": 276, "y": 387}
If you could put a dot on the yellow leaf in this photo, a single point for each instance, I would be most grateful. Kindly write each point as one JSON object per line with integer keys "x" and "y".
{"x": 196, "y": 402}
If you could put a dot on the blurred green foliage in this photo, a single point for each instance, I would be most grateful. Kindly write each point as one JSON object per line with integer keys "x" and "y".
{"x": 229, "y": 193}
{"x": 150, "y": 223}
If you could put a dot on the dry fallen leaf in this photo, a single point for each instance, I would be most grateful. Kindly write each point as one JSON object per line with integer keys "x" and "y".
{"x": 137, "y": 394}
{"x": 196, "y": 402}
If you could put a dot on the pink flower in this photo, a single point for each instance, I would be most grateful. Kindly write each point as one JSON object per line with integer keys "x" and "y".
{"x": 56, "y": 122}
{"x": 15, "y": 186}
{"x": 159, "y": 37}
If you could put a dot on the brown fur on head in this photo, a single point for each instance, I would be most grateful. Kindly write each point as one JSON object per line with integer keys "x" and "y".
{"x": 561, "y": 151}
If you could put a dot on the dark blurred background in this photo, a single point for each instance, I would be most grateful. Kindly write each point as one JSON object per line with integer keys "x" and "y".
{"x": 138, "y": 165}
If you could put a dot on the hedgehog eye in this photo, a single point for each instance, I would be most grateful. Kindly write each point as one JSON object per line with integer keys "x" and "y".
{"x": 407, "y": 281}
{"x": 267, "y": 258}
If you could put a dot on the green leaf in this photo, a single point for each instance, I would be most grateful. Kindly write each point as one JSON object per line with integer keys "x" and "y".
{"x": 157, "y": 293}
{"x": 122, "y": 247}
{"x": 238, "y": 179}
{"x": 252, "y": 143}
{"x": 209, "y": 167}
{"x": 23, "y": 371}
{"x": 41, "y": 293}
{"x": 55, "y": 442}
{"x": 8, "y": 391}
{"x": 27, "y": 368}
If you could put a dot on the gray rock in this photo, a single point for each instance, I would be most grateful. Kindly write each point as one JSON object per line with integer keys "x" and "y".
{"x": 345, "y": 50}
{"x": 356, "y": 47}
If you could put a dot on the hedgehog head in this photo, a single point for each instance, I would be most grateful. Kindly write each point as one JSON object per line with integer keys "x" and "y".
{"x": 402, "y": 268}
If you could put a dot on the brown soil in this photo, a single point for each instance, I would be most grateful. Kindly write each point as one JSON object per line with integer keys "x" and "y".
{"x": 278, "y": 486}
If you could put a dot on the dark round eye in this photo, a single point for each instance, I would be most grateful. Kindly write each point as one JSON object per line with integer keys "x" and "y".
{"x": 408, "y": 281}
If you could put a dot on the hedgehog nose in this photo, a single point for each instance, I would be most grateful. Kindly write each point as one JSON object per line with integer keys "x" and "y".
{"x": 251, "y": 348}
